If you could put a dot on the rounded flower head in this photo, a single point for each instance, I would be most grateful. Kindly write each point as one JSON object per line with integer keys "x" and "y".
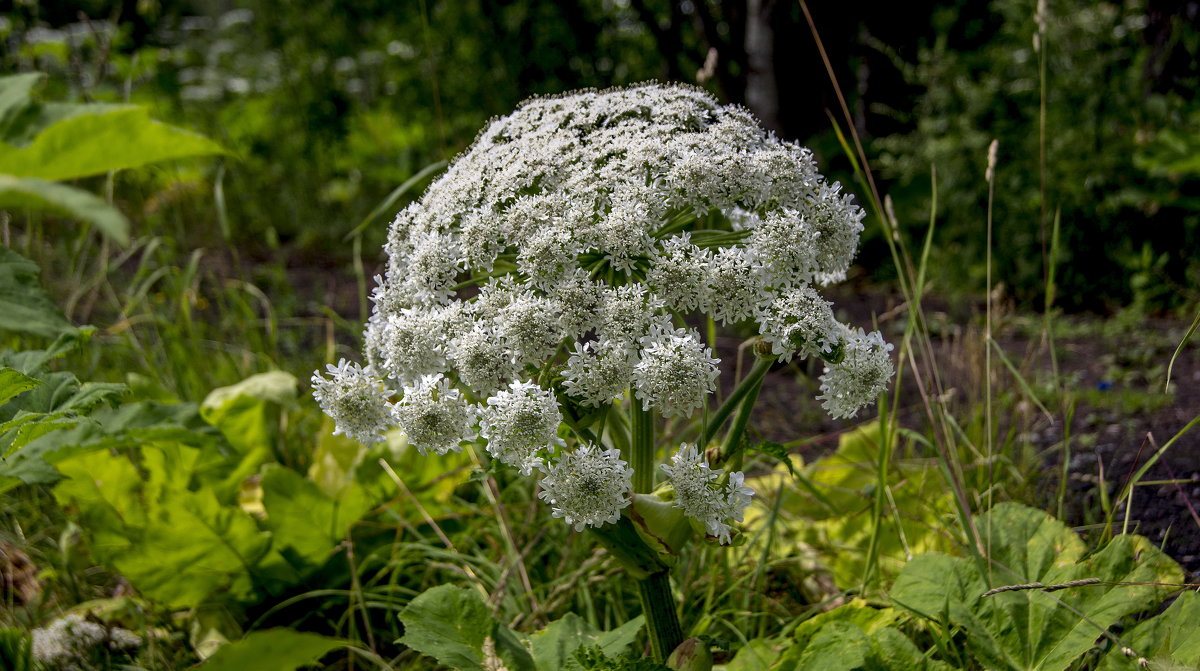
{"x": 482, "y": 360}
{"x": 675, "y": 372}
{"x": 788, "y": 246}
{"x": 736, "y": 286}
{"x": 356, "y": 400}
{"x": 598, "y": 372}
{"x": 431, "y": 268}
{"x": 799, "y": 321}
{"x": 411, "y": 345}
{"x": 519, "y": 423}
{"x": 701, "y": 498}
{"x": 627, "y": 313}
{"x": 435, "y": 417}
{"x": 588, "y": 487}
{"x": 578, "y": 300}
{"x": 860, "y": 377}
{"x": 530, "y": 328}
{"x": 564, "y": 245}
{"x": 678, "y": 274}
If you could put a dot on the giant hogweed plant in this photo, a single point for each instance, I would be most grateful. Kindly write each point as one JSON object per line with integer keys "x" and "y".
{"x": 539, "y": 297}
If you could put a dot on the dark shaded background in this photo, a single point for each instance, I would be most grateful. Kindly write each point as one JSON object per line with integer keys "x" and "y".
{"x": 332, "y": 104}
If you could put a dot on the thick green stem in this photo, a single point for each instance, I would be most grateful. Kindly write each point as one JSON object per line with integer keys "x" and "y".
{"x": 662, "y": 620}
{"x": 654, "y": 587}
{"x": 627, "y": 547}
{"x": 642, "y": 451}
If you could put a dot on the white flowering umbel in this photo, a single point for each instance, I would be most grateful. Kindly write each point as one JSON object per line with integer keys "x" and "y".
{"x": 74, "y": 643}
{"x": 435, "y": 417}
{"x": 860, "y": 376}
{"x": 675, "y": 372}
{"x": 547, "y": 273}
{"x": 519, "y": 424}
{"x": 356, "y": 400}
{"x": 589, "y": 486}
{"x": 701, "y": 498}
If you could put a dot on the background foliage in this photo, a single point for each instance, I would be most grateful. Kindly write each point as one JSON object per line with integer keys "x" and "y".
{"x": 329, "y": 107}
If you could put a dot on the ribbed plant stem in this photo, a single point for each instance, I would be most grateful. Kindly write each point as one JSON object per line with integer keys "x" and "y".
{"x": 641, "y": 424}
{"x": 662, "y": 619}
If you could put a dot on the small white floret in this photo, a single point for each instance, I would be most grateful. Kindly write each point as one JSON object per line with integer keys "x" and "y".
{"x": 435, "y": 417}
{"x": 356, "y": 399}
{"x": 519, "y": 424}
{"x": 588, "y": 487}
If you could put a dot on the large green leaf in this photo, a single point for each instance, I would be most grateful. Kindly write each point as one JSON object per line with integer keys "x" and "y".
{"x": 828, "y": 511}
{"x": 1170, "y": 640}
{"x": 20, "y": 194}
{"x": 1033, "y": 629}
{"x": 43, "y": 433}
{"x": 452, "y": 625}
{"x": 247, "y": 414}
{"x": 271, "y": 650}
{"x": 24, "y": 305}
{"x": 39, "y": 116}
{"x": 334, "y": 459}
{"x": 177, "y": 545}
{"x": 14, "y": 382}
{"x": 553, "y": 648}
{"x": 305, "y": 519}
{"x": 853, "y": 636}
{"x": 94, "y": 144}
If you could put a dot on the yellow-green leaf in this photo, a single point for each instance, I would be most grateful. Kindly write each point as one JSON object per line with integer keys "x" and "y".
{"x": 19, "y": 194}
{"x": 271, "y": 650}
{"x": 95, "y": 144}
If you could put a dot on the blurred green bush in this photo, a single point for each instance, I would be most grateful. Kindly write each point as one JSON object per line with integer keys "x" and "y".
{"x": 331, "y": 104}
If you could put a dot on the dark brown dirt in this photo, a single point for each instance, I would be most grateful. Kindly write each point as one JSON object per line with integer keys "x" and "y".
{"x": 1112, "y": 368}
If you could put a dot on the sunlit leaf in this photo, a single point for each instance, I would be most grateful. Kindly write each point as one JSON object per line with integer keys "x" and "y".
{"x": 306, "y": 520}
{"x": 271, "y": 650}
{"x": 30, "y": 194}
{"x": 247, "y": 414}
{"x": 14, "y": 382}
{"x": 94, "y": 144}
{"x": 15, "y": 93}
{"x": 1034, "y": 629}
{"x": 41, "y": 115}
{"x": 175, "y": 545}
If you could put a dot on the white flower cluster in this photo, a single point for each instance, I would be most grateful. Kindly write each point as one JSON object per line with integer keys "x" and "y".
{"x": 702, "y": 499}
{"x": 519, "y": 423}
{"x": 589, "y": 486}
{"x": 356, "y": 400}
{"x": 71, "y": 643}
{"x": 859, "y": 377}
{"x": 560, "y": 253}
